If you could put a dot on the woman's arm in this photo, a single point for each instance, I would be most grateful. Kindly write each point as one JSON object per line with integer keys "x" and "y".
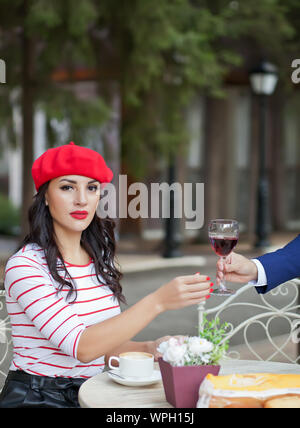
{"x": 100, "y": 339}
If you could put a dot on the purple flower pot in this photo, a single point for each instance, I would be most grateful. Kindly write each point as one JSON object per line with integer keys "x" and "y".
{"x": 181, "y": 384}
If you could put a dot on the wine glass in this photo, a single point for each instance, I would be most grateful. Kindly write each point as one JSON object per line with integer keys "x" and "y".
{"x": 223, "y": 235}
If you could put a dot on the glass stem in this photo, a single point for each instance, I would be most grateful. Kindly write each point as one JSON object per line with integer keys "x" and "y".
{"x": 223, "y": 282}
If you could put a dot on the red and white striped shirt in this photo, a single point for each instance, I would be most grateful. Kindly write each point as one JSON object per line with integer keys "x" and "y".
{"x": 46, "y": 326}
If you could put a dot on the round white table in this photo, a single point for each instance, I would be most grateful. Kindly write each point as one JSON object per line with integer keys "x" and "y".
{"x": 102, "y": 392}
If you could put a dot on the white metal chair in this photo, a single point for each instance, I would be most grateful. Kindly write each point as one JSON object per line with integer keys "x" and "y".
{"x": 5, "y": 340}
{"x": 281, "y": 304}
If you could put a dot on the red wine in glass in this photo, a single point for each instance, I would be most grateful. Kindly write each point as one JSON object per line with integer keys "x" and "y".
{"x": 223, "y": 235}
{"x": 223, "y": 245}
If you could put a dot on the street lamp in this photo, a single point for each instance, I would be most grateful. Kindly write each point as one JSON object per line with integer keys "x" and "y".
{"x": 263, "y": 80}
{"x": 171, "y": 242}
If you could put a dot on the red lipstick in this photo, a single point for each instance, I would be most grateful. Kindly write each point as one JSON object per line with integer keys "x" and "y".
{"x": 79, "y": 215}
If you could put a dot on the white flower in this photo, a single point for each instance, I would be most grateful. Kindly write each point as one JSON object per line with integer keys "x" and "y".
{"x": 163, "y": 346}
{"x": 175, "y": 354}
{"x": 173, "y": 351}
{"x": 186, "y": 351}
{"x": 197, "y": 346}
{"x": 173, "y": 342}
{"x": 205, "y": 358}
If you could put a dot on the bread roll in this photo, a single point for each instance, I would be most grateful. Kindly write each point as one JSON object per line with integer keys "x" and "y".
{"x": 252, "y": 391}
{"x": 284, "y": 402}
{"x": 235, "y": 403}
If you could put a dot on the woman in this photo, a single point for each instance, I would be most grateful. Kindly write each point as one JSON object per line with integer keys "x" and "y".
{"x": 63, "y": 289}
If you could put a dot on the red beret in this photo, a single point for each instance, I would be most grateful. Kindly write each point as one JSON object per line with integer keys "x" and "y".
{"x": 70, "y": 160}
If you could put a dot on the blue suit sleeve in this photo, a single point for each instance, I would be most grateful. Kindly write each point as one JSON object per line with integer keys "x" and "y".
{"x": 281, "y": 265}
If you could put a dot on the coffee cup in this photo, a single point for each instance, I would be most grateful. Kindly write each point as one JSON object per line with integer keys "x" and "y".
{"x": 134, "y": 364}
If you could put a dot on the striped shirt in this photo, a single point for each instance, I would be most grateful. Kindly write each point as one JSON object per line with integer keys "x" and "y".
{"x": 46, "y": 325}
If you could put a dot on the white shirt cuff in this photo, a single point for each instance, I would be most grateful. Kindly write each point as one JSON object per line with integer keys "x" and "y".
{"x": 261, "y": 275}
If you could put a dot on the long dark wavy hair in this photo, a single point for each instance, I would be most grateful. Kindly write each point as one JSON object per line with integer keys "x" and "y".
{"x": 98, "y": 240}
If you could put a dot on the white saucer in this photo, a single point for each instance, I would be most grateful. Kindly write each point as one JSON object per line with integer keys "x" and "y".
{"x": 131, "y": 381}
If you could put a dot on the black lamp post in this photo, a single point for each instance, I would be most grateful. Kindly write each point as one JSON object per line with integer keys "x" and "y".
{"x": 263, "y": 80}
{"x": 171, "y": 242}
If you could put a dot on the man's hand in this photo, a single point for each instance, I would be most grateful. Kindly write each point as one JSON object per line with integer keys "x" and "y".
{"x": 236, "y": 269}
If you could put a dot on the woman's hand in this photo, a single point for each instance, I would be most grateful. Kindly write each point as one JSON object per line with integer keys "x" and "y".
{"x": 183, "y": 291}
{"x": 236, "y": 269}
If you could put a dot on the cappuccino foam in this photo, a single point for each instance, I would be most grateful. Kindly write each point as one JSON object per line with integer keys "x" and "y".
{"x": 136, "y": 356}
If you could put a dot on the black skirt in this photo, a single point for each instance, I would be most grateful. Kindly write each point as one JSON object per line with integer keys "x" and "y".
{"x": 25, "y": 390}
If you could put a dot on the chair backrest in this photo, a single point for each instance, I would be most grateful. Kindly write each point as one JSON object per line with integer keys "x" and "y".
{"x": 255, "y": 316}
{"x": 5, "y": 340}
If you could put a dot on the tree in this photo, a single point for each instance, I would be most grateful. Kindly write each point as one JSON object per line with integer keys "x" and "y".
{"x": 37, "y": 37}
{"x": 163, "y": 53}
{"x": 156, "y": 54}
